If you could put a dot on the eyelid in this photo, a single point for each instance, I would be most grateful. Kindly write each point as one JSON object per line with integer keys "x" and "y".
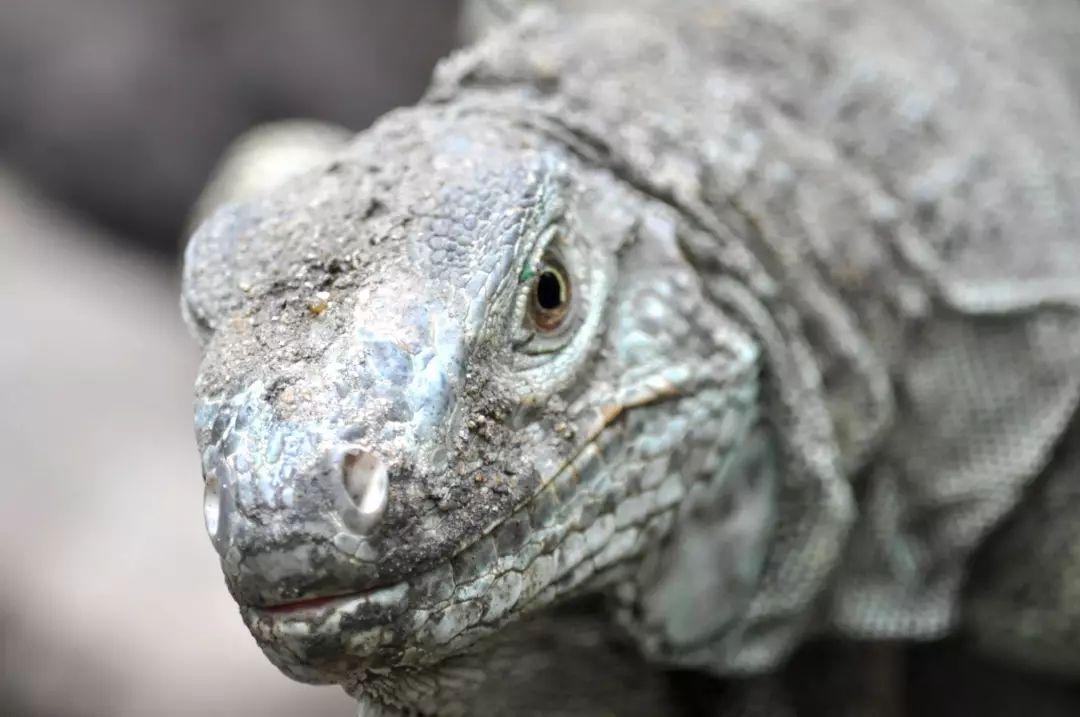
{"x": 549, "y": 236}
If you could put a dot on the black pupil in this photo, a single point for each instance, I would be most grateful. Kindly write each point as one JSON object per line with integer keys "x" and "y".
{"x": 549, "y": 291}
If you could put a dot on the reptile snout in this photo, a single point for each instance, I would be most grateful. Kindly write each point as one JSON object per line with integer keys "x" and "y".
{"x": 294, "y": 510}
{"x": 355, "y": 494}
{"x": 328, "y": 480}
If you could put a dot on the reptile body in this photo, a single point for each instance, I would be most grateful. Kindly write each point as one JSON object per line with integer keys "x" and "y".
{"x": 756, "y": 318}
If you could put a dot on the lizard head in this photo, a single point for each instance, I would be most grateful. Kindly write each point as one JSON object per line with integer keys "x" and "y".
{"x": 449, "y": 377}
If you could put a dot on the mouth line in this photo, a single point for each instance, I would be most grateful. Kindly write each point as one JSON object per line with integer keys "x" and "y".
{"x": 313, "y": 602}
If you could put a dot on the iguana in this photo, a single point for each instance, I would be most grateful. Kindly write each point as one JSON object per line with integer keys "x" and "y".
{"x": 756, "y": 318}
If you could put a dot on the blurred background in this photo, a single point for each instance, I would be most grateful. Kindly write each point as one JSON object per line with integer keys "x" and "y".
{"x": 112, "y": 114}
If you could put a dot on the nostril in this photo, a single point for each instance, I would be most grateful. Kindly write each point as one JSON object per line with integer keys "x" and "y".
{"x": 367, "y": 485}
{"x": 212, "y": 505}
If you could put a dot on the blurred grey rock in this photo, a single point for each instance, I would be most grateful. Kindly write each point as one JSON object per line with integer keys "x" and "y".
{"x": 264, "y": 157}
{"x": 119, "y": 108}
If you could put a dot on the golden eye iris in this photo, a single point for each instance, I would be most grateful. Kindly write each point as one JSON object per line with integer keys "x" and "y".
{"x": 549, "y": 302}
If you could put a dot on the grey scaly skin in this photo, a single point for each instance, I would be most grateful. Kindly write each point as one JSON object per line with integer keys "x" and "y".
{"x": 755, "y": 317}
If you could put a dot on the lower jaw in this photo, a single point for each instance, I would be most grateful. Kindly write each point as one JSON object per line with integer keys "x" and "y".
{"x": 326, "y": 640}
{"x": 387, "y": 674}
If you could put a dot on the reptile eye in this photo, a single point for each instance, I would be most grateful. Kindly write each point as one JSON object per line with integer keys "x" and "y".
{"x": 549, "y": 302}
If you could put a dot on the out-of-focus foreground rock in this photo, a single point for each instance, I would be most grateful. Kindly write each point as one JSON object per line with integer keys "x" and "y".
{"x": 111, "y": 600}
